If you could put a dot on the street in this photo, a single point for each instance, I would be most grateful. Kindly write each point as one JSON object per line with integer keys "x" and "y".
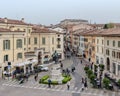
{"x": 33, "y": 88}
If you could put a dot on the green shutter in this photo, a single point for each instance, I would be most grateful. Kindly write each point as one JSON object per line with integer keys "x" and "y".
{"x": 8, "y": 44}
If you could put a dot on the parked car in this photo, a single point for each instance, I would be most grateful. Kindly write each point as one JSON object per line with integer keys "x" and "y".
{"x": 43, "y": 68}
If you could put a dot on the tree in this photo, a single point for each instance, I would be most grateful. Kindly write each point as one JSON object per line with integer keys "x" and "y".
{"x": 92, "y": 79}
{"x": 86, "y": 68}
{"x": 101, "y": 67}
{"x": 89, "y": 72}
{"x": 106, "y": 83}
{"x": 109, "y": 25}
{"x": 118, "y": 82}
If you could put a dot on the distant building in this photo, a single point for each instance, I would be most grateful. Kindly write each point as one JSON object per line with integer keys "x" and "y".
{"x": 73, "y": 21}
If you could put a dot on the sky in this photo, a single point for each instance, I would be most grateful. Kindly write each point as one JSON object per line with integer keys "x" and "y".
{"x": 48, "y": 12}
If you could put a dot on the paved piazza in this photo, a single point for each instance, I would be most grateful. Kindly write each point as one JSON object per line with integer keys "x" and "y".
{"x": 33, "y": 88}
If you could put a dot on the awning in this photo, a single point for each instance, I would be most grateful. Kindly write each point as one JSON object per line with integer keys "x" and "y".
{"x": 34, "y": 61}
{"x": 26, "y": 63}
{"x": 22, "y": 63}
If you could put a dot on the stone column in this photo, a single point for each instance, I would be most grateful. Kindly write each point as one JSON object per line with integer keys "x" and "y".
{"x": 116, "y": 73}
{"x": 24, "y": 69}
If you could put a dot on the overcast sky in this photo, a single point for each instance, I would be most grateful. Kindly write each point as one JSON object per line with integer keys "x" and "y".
{"x": 53, "y": 11}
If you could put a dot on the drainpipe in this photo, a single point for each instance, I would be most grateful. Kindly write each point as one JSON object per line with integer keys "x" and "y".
{"x": 13, "y": 47}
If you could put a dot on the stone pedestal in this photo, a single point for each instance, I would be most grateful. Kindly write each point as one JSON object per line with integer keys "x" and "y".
{"x": 56, "y": 74}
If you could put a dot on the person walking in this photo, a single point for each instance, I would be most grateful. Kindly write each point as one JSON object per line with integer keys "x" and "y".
{"x": 81, "y": 61}
{"x": 35, "y": 77}
{"x": 61, "y": 65}
{"x": 85, "y": 85}
{"x": 82, "y": 81}
{"x": 27, "y": 77}
{"x": 49, "y": 83}
{"x": 68, "y": 85}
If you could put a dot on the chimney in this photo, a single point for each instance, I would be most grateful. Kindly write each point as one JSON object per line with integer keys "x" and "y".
{"x": 22, "y": 19}
{"x": 5, "y": 20}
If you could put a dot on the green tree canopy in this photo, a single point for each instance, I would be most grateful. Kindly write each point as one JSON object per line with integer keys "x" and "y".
{"x": 109, "y": 25}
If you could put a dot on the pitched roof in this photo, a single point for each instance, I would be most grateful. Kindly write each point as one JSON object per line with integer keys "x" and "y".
{"x": 8, "y": 30}
{"x": 102, "y": 32}
{"x": 42, "y": 29}
{"x": 11, "y": 21}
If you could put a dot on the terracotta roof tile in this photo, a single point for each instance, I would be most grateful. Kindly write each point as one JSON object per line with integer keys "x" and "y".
{"x": 8, "y": 30}
{"x": 41, "y": 29}
{"x": 102, "y": 32}
{"x": 11, "y": 21}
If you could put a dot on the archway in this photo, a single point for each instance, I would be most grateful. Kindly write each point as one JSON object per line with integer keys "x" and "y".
{"x": 108, "y": 64}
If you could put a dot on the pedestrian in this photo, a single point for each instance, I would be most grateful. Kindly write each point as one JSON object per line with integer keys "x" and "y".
{"x": 61, "y": 65}
{"x": 68, "y": 85}
{"x": 82, "y": 81}
{"x": 67, "y": 71}
{"x": 26, "y": 77}
{"x": 81, "y": 61}
{"x": 85, "y": 85}
{"x": 35, "y": 77}
{"x": 72, "y": 70}
{"x": 49, "y": 83}
{"x": 82, "y": 86}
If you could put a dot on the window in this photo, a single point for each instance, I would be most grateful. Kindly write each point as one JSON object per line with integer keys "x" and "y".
{"x": 117, "y": 54}
{"x": 53, "y": 40}
{"x": 19, "y": 56}
{"x": 113, "y": 54}
{"x": 107, "y": 52}
{"x": 93, "y": 40}
{"x": 53, "y": 49}
{"x": 24, "y": 29}
{"x": 85, "y": 39}
{"x": 108, "y": 42}
{"x": 58, "y": 39}
{"x": 102, "y": 42}
{"x": 29, "y": 30}
{"x": 93, "y": 48}
{"x": 97, "y": 41}
{"x": 102, "y": 49}
{"x": 101, "y": 61}
{"x": 113, "y": 43}
{"x": 29, "y": 41}
{"x": 43, "y": 40}
{"x": 19, "y": 43}
{"x": 35, "y": 48}
{"x": 97, "y": 49}
{"x": 5, "y": 58}
{"x": 35, "y": 40}
{"x": 118, "y": 43}
{"x": 6, "y": 44}
{"x": 24, "y": 41}
{"x": 58, "y": 46}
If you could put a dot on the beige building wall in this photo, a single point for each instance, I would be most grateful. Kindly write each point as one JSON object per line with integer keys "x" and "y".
{"x": 99, "y": 50}
{"x": 112, "y": 59}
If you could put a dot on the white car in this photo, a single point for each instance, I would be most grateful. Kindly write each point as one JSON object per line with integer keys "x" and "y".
{"x": 43, "y": 68}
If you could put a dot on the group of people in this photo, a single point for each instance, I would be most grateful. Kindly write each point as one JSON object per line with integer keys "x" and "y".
{"x": 84, "y": 83}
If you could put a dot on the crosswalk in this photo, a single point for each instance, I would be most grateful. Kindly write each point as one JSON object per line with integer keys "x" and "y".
{"x": 36, "y": 85}
{"x": 62, "y": 88}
